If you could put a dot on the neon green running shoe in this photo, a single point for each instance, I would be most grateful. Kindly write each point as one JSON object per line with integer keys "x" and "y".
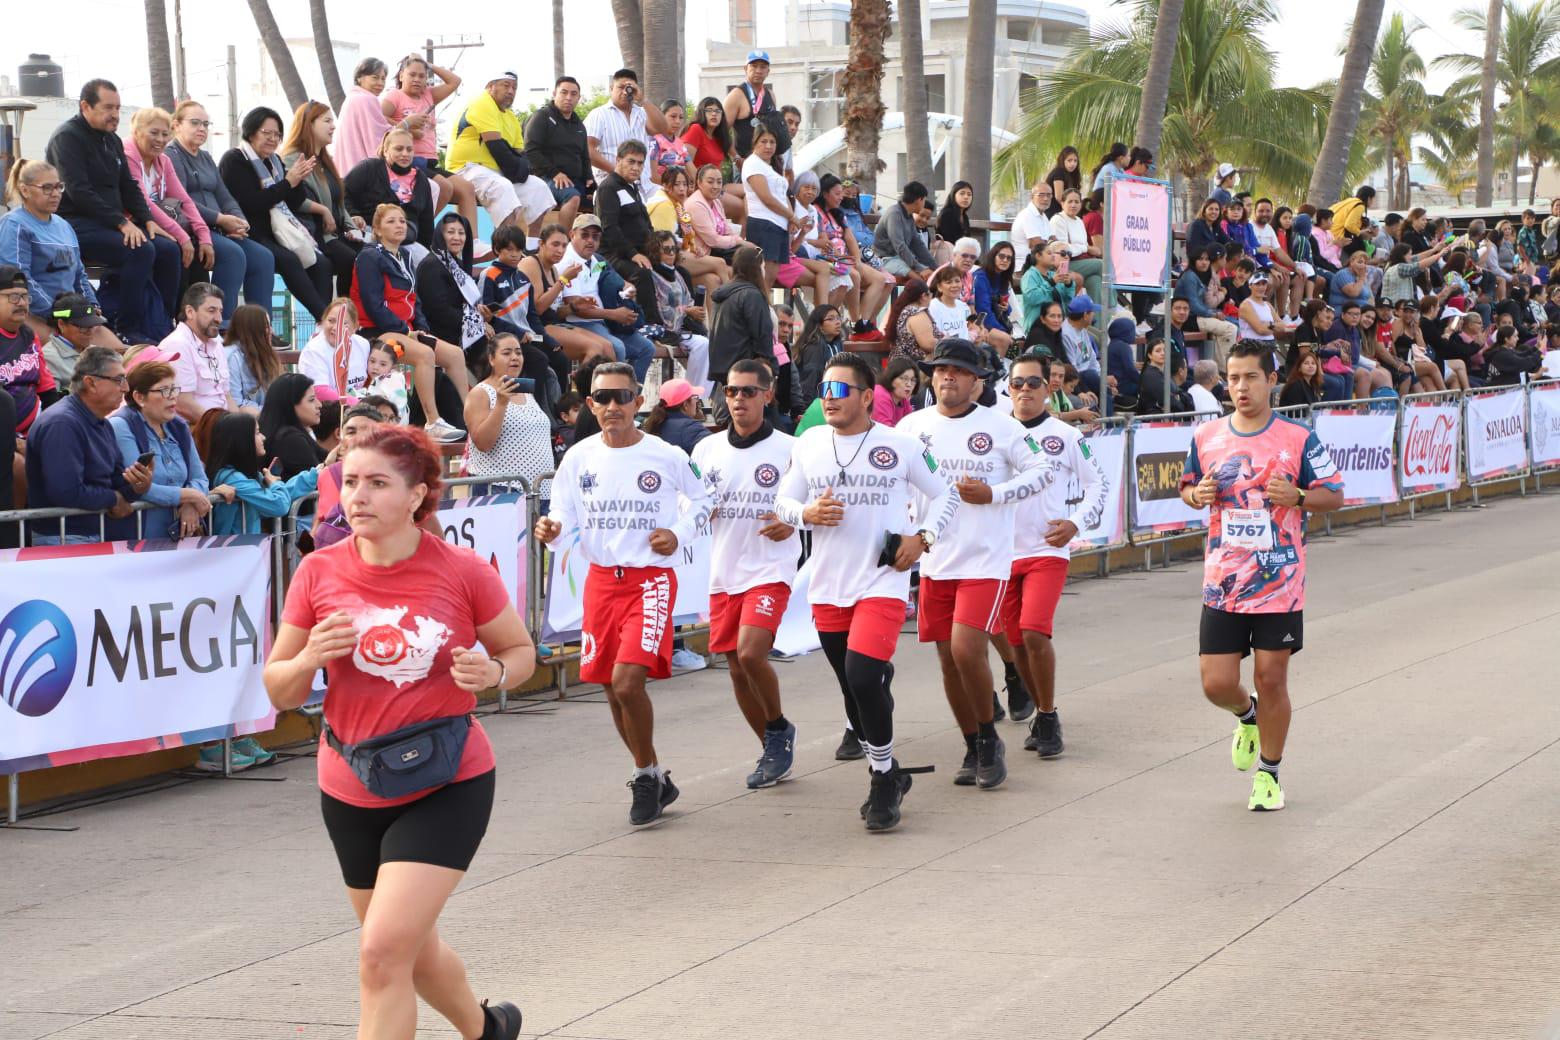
{"x": 1266, "y": 795}
{"x": 1243, "y": 747}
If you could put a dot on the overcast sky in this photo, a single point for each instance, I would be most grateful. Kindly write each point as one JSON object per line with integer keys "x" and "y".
{"x": 107, "y": 37}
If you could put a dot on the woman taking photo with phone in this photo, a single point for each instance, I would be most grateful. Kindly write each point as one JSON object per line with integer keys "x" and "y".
{"x": 509, "y": 432}
{"x": 395, "y": 616}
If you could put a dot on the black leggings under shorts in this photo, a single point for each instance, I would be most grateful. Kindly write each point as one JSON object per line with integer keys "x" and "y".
{"x": 442, "y": 829}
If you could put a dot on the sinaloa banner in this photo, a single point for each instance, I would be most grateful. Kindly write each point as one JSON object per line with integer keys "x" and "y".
{"x": 1361, "y": 448}
{"x": 1109, "y": 446}
{"x": 1427, "y": 451}
{"x": 1159, "y": 453}
{"x": 112, "y": 643}
{"x": 1544, "y": 422}
{"x": 1497, "y": 433}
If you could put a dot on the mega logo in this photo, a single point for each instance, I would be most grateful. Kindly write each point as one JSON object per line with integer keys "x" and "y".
{"x": 1430, "y": 444}
{"x": 157, "y": 638}
{"x": 37, "y": 657}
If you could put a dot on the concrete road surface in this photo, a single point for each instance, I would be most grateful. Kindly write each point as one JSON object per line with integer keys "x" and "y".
{"x": 1120, "y": 891}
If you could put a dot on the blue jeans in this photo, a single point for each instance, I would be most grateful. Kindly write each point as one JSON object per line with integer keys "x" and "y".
{"x": 632, "y": 347}
{"x": 69, "y": 539}
{"x": 242, "y": 263}
{"x": 157, "y": 261}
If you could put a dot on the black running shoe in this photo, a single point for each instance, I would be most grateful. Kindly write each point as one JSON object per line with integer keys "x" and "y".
{"x": 849, "y": 749}
{"x": 1032, "y": 742}
{"x": 1047, "y": 734}
{"x": 648, "y": 802}
{"x": 990, "y": 763}
{"x": 998, "y": 712}
{"x": 888, "y": 791}
{"x": 669, "y": 790}
{"x": 505, "y": 1018}
{"x": 965, "y": 777}
{"x": 1020, "y": 704}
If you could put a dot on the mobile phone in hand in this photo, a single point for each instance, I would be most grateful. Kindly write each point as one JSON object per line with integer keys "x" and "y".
{"x": 425, "y": 339}
{"x": 146, "y": 458}
{"x": 698, "y": 296}
{"x": 274, "y": 466}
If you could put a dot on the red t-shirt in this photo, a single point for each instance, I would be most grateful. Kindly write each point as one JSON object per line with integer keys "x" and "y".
{"x": 1093, "y": 224}
{"x": 408, "y": 617}
{"x": 706, "y": 150}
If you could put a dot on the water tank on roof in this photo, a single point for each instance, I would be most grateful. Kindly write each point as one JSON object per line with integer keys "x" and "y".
{"x": 41, "y": 77}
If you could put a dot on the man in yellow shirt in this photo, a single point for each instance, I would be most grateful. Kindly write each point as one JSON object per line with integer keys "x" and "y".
{"x": 1349, "y": 215}
{"x": 489, "y": 152}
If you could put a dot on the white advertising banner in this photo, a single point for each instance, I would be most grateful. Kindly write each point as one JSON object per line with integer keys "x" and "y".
{"x": 1158, "y": 459}
{"x": 1497, "y": 433}
{"x": 1427, "y": 446}
{"x": 1361, "y": 448}
{"x": 1109, "y": 447}
{"x": 566, "y": 590}
{"x": 106, "y": 644}
{"x": 798, "y": 634}
{"x": 1544, "y": 422}
{"x": 494, "y": 527}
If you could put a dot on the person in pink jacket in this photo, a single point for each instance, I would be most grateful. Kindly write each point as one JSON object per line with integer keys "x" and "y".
{"x": 713, "y": 233}
{"x": 361, "y": 124}
{"x": 173, "y": 211}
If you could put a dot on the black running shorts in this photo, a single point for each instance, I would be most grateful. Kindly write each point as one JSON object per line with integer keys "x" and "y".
{"x": 1224, "y": 632}
{"x": 443, "y": 829}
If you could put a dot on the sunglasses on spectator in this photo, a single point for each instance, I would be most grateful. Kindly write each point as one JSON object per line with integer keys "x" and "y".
{"x": 836, "y": 389}
{"x": 610, "y": 396}
{"x": 743, "y": 391}
{"x": 1027, "y": 382}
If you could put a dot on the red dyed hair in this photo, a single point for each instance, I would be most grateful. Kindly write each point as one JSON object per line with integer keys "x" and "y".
{"x": 413, "y": 456}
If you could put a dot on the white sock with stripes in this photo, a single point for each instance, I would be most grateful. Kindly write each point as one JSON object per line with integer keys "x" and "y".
{"x": 880, "y": 757}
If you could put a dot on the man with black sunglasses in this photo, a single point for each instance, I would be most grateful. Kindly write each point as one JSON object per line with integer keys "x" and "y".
{"x": 619, "y": 489}
{"x": 994, "y": 465}
{"x": 753, "y": 559}
{"x": 1074, "y": 501}
{"x": 850, "y": 483}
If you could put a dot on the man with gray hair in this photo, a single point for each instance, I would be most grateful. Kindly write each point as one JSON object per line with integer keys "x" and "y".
{"x": 72, "y": 458}
{"x": 1205, "y": 376}
{"x": 194, "y": 349}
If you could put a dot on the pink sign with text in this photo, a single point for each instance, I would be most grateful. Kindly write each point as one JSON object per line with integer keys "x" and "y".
{"x": 1138, "y": 239}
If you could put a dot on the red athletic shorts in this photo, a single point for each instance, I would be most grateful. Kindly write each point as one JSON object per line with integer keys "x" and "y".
{"x": 873, "y": 624}
{"x": 761, "y": 607}
{"x": 1032, "y": 595}
{"x": 628, "y": 620}
{"x": 976, "y": 602}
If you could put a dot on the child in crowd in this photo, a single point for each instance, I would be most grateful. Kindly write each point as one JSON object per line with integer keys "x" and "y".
{"x": 237, "y": 446}
{"x": 565, "y": 411}
{"x": 385, "y": 378}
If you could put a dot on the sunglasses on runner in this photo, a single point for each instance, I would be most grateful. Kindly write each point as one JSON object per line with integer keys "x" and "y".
{"x": 609, "y": 396}
{"x": 1027, "y": 382}
{"x": 743, "y": 391}
{"x": 835, "y": 389}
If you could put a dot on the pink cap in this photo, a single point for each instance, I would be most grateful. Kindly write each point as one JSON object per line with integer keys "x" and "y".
{"x": 675, "y": 391}
{"x": 151, "y": 356}
{"x": 326, "y": 393}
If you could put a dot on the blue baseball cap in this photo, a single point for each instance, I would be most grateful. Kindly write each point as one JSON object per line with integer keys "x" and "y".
{"x": 1081, "y": 304}
{"x": 762, "y": 56}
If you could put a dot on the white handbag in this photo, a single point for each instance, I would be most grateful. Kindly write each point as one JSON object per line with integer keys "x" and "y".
{"x": 293, "y": 236}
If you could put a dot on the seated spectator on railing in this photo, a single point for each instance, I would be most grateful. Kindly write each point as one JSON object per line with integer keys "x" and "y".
{"x": 241, "y": 262}
{"x": 73, "y": 323}
{"x": 667, "y": 149}
{"x": 1348, "y": 218}
{"x": 1304, "y": 385}
{"x": 336, "y": 356}
{"x": 1151, "y": 388}
{"x": 450, "y": 295}
{"x": 1408, "y": 341}
{"x": 770, "y": 221}
{"x": 171, "y": 207}
{"x": 390, "y": 177}
{"x": 1202, "y": 389}
{"x": 1067, "y": 228}
{"x": 870, "y": 287}
{"x": 716, "y": 235}
{"x": 73, "y": 461}
{"x": 1507, "y": 360}
{"x": 149, "y": 423}
{"x": 678, "y": 313}
{"x": 1207, "y": 230}
{"x": 678, "y": 415}
{"x": 1065, "y": 174}
{"x": 271, "y": 197}
{"x": 1032, "y": 226}
{"x": 387, "y": 383}
{"x": 1045, "y": 335}
{"x": 623, "y": 118}
{"x": 1342, "y": 374}
{"x": 113, "y": 224}
{"x": 669, "y": 212}
{"x": 411, "y": 96}
{"x": 1175, "y": 329}
{"x": 830, "y": 279}
{"x": 363, "y": 118}
{"x": 1081, "y": 349}
{"x": 596, "y": 299}
{"x": 710, "y": 136}
{"x": 1121, "y": 360}
{"x": 549, "y": 310}
{"x": 1201, "y": 290}
{"x": 1237, "y": 226}
{"x": 953, "y": 220}
{"x": 1043, "y": 283}
{"x": 36, "y": 239}
{"x": 558, "y": 148}
{"x": 1352, "y": 283}
{"x": 1401, "y": 272}
{"x": 893, "y": 397}
{"x": 383, "y": 286}
{"x": 992, "y": 289}
{"x": 1316, "y": 320}
{"x": 253, "y": 363}
{"x": 197, "y": 355}
{"x": 509, "y": 429}
{"x": 291, "y": 412}
{"x": 896, "y": 242}
{"x": 822, "y": 337}
{"x": 950, "y": 315}
{"x": 234, "y": 459}
{"x": 625, "y": 218}
{"x": 489, "y": 152}
{"x": 743, "y": 326}
{"x": 506, "y": 293}
{"x": 338, "y": 233}
{"x": 1118, "y": 157}
{"x": 24, "y": 374}
{"x": 909, "y": 325}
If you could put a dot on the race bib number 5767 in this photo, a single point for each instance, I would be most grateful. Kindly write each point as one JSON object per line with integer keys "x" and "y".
{"x": 1247, "y": 529}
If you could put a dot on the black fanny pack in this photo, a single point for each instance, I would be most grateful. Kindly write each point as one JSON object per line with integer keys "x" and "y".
{"x": 414, "y": 758}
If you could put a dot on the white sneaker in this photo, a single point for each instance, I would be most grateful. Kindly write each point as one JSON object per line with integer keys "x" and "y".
{"x": 481, "y": 250}
{"x": 444, "y": 433}
{"x": 688, "y": 661}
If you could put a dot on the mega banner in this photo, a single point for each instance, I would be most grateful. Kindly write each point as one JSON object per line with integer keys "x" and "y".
{"x": 1137, "y": 243}
{"x": 1427, "y": 447}
{"x": 1159, "y": 452}
{"x": 1544, "y": 424}
{"x": 107, "y": 644}
{"x": 1109, "y": 446}
{"x": 1361, "y": 448}
{"x": 494, "y": 527}
{"x": 1497, "y": 433}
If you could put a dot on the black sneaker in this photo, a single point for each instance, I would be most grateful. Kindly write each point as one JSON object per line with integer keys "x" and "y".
{"x": 888, "y": 791}
{"x": 1047, "y": 734}
{"x": 990, "y": 763}
{"x": 965, "y": 777}
{"x": 669, "y": 791}
{"x": 651, "y": 796}
{"x": 505, "y": 1018}
{"x": 998, "y": 713}
{"x": 849, "y": 749}
{"x": 1032, "y": 742}
{"x": 1020, "y": 705}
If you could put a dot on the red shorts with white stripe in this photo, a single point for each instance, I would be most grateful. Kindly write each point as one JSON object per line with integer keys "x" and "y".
{"x": 873, "y": 624}
{"x": 762, "y": 606}
{"x": 976, "y": 602}
{"x": 627, "y": 620}
{"x": 1032, "y": 595}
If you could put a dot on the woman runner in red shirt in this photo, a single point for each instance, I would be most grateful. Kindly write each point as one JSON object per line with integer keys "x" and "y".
{"x": 395, "y": 615}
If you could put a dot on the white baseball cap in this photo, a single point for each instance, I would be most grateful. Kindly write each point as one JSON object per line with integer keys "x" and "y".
{"x": 504, "y": 74}
{"x": 1225, "y": 169}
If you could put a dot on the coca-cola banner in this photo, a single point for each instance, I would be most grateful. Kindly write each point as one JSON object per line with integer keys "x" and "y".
{"x": 1544, "y": 422}
{"x": 1428, "y": 446}
{"x": 1497, "y": 433}
{"x": 1361, "y": 448}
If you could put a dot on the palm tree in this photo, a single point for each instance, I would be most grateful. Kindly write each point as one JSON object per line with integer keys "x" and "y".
{"x": 1327, "y": 177}
{"x": 631, "y": 33}
{"x": 864, "y": 108}
{"x": 912, "y": 64}
{"x": 660, "y": 77}
{"x": 1221, "y": 106}
{"x": 325, "y": 52}
{"x": 281, "y": 57}
{"x": 1454, "y": 137}
{"x": 557, "y": 8}
{"x": 1396, "y": 107}
{"x": 1484, "y": 194}
{"x": 158, "y": 59}
{"x": 1156, "y": 86}
{"x": 980, "y": 57}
